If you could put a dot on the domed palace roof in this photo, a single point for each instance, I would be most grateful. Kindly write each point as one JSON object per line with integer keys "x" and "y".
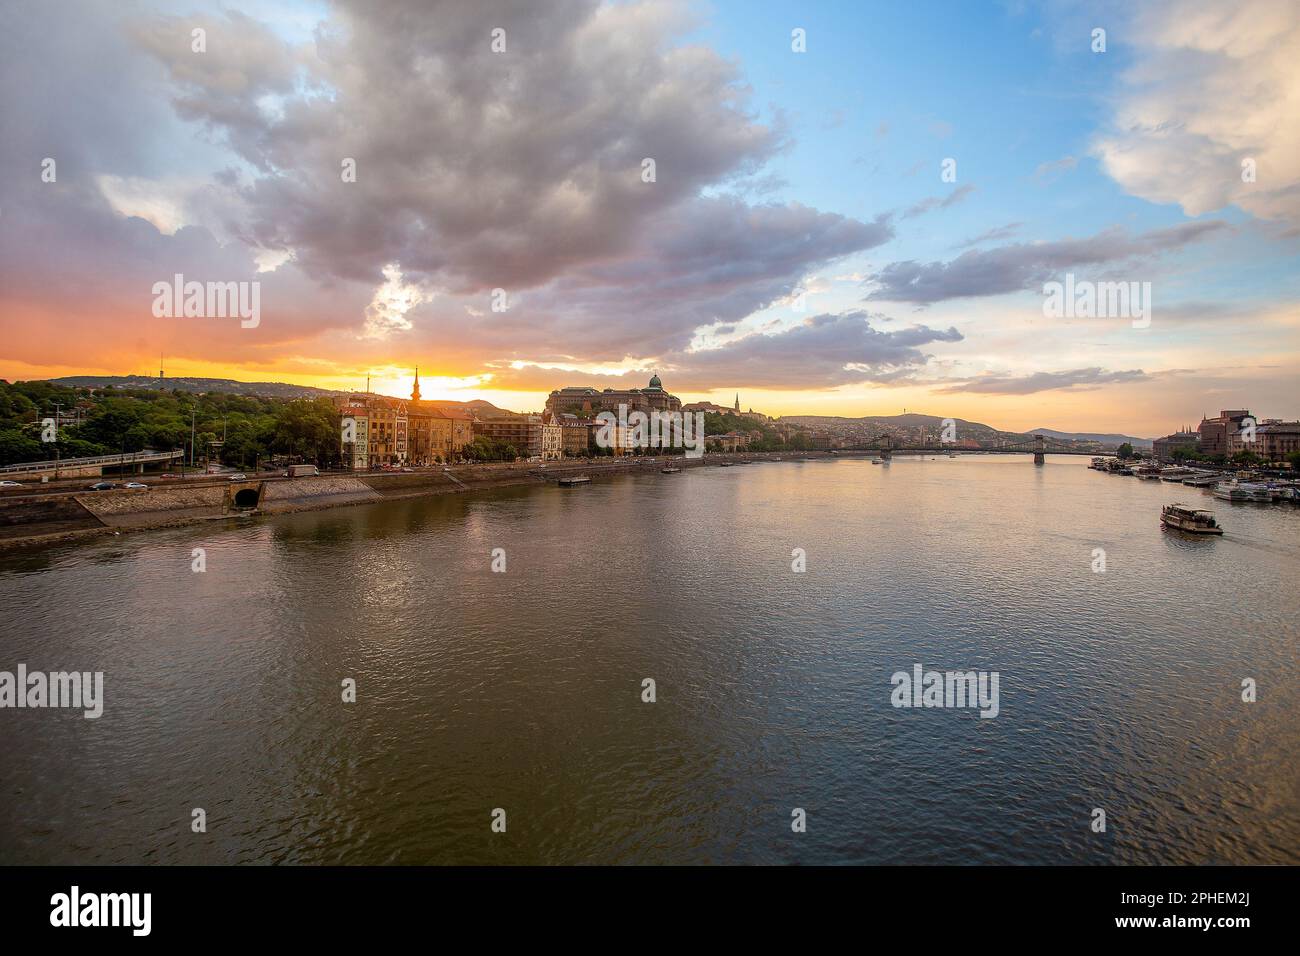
{"x": 655, "y": 383}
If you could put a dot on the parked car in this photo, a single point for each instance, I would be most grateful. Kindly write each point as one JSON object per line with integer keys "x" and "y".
{"x": 11, "y": 484}
{"x": 101, "y": 486}
{"x": 239, "y": 476}
{"x": 134, "y": 484}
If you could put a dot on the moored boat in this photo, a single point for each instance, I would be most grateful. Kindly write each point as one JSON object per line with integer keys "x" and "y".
{"x": 1191, "y": 520}
{"x": 574, "y": 480}
{"x": 1237, "y": 490}
{"x": 670, "y": 470}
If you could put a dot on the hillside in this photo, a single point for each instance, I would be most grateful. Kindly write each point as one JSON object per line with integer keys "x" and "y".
{"x": 1103, "y": 439}
{"x": 228, "y": 386}
{"x": 965, "y": 429}
{"x": 915, "y": 426}
{"x": 224, "y": 385}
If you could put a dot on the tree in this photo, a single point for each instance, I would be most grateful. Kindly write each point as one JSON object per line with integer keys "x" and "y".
{"x": 16, "y": 447}
{"x": 309, "y": 428}
{"x": 1125, "y": 451}
{"x": 483, "y": 448}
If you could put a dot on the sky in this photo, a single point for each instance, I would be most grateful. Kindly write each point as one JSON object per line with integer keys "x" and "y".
{"x": 852, "y": 208}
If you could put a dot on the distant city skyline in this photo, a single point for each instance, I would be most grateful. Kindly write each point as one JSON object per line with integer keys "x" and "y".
{"x": 849, "y": 211}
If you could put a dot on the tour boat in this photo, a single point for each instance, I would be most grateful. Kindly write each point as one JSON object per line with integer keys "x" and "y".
{"x": 575, "y": 480}
{"x": 1192, "y": 520}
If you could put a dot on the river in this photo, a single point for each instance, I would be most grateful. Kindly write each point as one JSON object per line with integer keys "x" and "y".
{"x": 523, "y": 690}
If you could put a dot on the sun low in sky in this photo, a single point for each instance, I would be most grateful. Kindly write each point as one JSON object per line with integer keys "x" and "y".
{"x": 829, "y": 208}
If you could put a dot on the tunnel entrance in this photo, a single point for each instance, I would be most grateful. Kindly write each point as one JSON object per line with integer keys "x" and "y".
{"x": 246, "y": 498}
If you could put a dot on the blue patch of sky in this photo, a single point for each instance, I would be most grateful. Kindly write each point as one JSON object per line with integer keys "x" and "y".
{"x": 886, "y": 92}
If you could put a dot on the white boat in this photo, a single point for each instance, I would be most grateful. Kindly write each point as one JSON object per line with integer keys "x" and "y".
{"x": 1236, "y": 490}
{"x": 1191, "y": 520}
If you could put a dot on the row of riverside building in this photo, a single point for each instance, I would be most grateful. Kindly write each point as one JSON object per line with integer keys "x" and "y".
{"x": 1228, "y": 434}
{"x": 387, "y": 432}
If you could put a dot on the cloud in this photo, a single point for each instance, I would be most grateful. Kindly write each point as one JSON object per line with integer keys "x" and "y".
{"x": 474, "y": 171}
{"x": 939, "y": 202}
{"x": 1027, "y": 265}
{"x": 1079, "y": 379}
{"x": 996, "y": 234}
{"x": 1214, "y": 85}
{"x": 824, "y": 351}
{"x": 1051, "y": 171}
{"x": 489, "y": 169}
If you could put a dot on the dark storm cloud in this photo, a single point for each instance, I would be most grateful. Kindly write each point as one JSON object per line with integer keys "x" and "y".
{"x": 1026, "y": 265}
{"x": 1079, "y": 379}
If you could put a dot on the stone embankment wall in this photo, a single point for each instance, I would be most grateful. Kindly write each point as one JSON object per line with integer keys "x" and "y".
{"x": 51, "y": 517}
{"x": 118, "y": 509}
{"x": 298, "y": 494}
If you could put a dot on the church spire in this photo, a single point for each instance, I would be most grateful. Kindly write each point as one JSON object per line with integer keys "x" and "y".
{"x": 737, "y": 401}
{"x": 415, "y": 392}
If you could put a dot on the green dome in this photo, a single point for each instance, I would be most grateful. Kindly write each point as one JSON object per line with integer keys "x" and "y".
{"x": 654, "y": 382}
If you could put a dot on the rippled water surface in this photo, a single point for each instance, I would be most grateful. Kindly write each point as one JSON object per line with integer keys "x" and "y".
{"x": 522, "y": 690}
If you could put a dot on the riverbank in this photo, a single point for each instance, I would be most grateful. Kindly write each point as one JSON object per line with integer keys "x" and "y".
{"x": 39, "y": 520}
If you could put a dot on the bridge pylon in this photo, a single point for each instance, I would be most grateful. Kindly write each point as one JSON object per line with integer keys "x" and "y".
{"x": 1040, "y": 444}
{"x": 886, "y": 447}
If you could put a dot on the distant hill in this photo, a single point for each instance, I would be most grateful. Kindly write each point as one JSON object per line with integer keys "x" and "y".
{"x": 1093, "y": 436}
{"x": 228, "y": 386}
{"x": 965, "y": 429}
{"x": 225, "y": 385}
